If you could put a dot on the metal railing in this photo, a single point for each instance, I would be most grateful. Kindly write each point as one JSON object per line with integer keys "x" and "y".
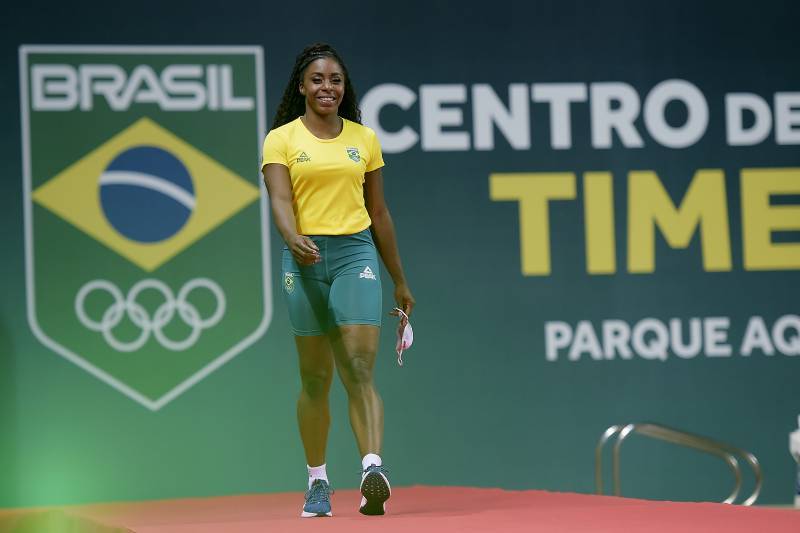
{"x": 724, "y": 451}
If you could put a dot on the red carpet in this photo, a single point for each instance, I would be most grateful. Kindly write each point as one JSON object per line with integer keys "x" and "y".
{"x": 440, "y": 509}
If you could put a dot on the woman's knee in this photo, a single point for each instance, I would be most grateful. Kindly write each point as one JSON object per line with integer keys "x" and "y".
{"x": 316, "y": 384}
{"x": 356, "y": 370}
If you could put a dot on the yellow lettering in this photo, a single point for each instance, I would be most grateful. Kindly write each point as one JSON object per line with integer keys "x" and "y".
{"x": 598, "y": 208}
{"x": 759, "y": 219}
{"x": 533, "y": 191}
{"x": 704, "y": 204}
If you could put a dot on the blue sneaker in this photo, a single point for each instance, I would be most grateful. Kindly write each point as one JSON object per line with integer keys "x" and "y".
{"x": 318, "y": 500}
{"x": 375, "y": 490}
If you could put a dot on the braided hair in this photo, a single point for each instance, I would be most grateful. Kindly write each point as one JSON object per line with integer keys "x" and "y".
{"x": 293, "y": 103}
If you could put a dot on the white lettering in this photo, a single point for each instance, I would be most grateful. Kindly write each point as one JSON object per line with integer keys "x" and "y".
{"x": 105, "y": 80}
{"x": 735, "y": 106}
{"x": 606, "y": 119}
{"x": 143, "y": 88}
{"x": 371, "y": 105}
{"x": 55, "y": 87}
{"x": 715, "y": 333}
{"x": 616, "y": 334}
{"x": 488, "y": 111}
{"x": 654, "y": 340}
{"x": 179, "y": 87}
{"x": 230, "y": 102}
{"x": 212, "y": 79}
{"x": 559, "y": 96}
{"x": 174, "y": 79}
{"x": 690, "y": 350}
{"x": 696, "y": 122}
{"x": 614, "y": 111}
{"x": 435, "y": 117}
{"x": 585, "y": 341}
{"x": 787, "y": 345}
{"x": 656, "y": 348}
{"x": 557, "y": 335}
{"x": 787, "y": 118}
{"x": 756, "y": 336}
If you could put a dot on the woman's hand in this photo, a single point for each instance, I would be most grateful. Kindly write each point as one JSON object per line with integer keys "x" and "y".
{"x": 304, "y": 250}
{"x": 405, "y": 301}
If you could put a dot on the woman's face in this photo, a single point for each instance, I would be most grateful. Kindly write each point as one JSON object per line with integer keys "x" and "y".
{"x": 323, "y": 86}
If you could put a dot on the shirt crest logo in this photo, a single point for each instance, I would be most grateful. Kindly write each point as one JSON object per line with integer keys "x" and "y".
{"x": 303, "y": 158}
{"x": 353, "y": 154}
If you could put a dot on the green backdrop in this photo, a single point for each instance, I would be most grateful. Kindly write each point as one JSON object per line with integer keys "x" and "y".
{"x": 478, "y": 402}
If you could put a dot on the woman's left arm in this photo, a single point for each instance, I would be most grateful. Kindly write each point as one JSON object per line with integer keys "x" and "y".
{"x": 385, "y": 240}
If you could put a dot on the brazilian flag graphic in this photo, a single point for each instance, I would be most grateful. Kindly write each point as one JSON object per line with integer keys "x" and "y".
{"x": 147, "y": 239}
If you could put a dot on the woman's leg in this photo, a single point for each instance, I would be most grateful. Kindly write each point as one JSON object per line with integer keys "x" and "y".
{"x": 313, "y": 414}
{"x": 354, "y": 349}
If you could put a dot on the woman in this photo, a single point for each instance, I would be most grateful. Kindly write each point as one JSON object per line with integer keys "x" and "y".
{"x": 322, "y": 169}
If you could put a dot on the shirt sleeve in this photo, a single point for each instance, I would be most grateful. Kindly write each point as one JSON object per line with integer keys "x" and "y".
{"x": 375, "y": 154}
{"x": 274, "y": 150}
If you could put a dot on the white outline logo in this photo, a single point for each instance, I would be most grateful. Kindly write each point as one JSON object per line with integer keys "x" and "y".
{"x": 368, "y": 274}
{"x": 153, "y": 404}
{"x": 130, "y": 308}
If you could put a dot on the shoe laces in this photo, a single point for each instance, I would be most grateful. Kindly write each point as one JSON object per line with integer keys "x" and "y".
{"x": 320, "y": 491}
{"x": 375, "y": 468}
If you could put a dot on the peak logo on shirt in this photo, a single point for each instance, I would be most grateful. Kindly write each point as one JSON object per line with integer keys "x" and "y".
{"x": 303, "y": 158}
{"x": 353, "y": 154}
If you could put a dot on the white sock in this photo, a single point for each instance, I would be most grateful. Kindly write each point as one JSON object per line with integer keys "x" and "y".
{"x": 316, "y": 472}
{"x": 371, "y": 459}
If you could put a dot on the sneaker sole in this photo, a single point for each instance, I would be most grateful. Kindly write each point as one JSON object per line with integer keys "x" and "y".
{"x": 375, "y": 491}
{"x": 305, "y": 514}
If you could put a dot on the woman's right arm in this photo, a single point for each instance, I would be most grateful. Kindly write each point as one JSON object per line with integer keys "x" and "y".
{"x": 279, "y": 187}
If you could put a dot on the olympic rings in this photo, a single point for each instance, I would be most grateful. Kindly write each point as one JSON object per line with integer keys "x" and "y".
{"x": 123, "y": 306}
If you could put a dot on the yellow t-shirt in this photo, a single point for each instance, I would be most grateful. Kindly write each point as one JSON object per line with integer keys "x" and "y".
{"x": 327, "y": 175}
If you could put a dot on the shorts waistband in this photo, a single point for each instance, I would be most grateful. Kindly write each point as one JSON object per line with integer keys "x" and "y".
{"x": 363, "y": 236}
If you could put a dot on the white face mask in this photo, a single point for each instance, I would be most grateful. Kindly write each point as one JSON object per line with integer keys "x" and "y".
{"x": 404, "y": 338}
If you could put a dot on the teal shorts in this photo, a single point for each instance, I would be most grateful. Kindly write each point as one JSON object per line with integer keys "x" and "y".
{"x": 343, "y": 288}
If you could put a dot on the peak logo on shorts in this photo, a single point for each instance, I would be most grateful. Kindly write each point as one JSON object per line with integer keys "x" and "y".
{"x": 368, "y": 274}
{"x": 147, "y": 250}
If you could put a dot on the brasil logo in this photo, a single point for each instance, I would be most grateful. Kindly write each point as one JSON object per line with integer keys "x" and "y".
{"x": 147, "y": 250}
